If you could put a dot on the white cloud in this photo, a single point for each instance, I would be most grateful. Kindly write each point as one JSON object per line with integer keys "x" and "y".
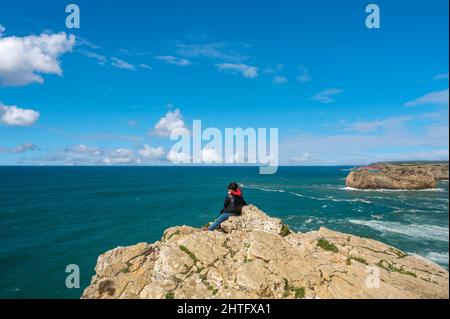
{"x": 19, "y": 148}
{"x": 173, "y": 60}
{"x": 121, "y": 64}
{"x": 442, "y": 76}
{"x": 279, "y": 80}
{"x": 350, "y": 149}
{"x": 210, "y": 155}
{"x": 150, "y": 153}
{"x": 83, "y": 149}
{"x": 25, "y": 148}
{"x": 101, "y": 59}
{"x": 371, "y": 126}
{"x": 326, "y": 96}
{"x": 171, "y": 121}
{"x": 273, "y": 69}
{"x": 178, "y": 157}
{"x": 113, "y": 61}
{"x": 120, "y": 156}
{"x": 24, "y": 59}
{"x": 15, "y": 116}
{"x": 435, "y": 155}
{"x": 303, "y": 158}
{"x": 80, "y": 41}
{"x": 145, "y": 66}
{"x": 304, "y": 76}
{"x": 217, "y": 50}
{"x": 246, "y": 70}
{"x": 437, "y": 98}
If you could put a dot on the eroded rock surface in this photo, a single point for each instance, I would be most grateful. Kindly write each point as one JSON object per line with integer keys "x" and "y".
{"x": 256, "y": 256}
{"x": 398, "y": 176}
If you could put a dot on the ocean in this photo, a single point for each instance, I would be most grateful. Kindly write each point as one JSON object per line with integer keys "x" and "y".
{"x": 51, "y": 217}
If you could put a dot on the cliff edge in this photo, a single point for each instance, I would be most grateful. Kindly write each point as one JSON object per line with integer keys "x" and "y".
{"x": 410, "y": 176}
{"x": 256, "y": 256}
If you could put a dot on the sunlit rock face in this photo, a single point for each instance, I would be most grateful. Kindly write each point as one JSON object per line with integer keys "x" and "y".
{"x": 256, "y": 256}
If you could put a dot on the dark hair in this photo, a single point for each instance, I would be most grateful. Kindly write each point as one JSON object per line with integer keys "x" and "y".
{"x": 234, "y": 186}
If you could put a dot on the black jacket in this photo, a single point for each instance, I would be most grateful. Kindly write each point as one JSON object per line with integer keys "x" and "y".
{"x": 233, "y": 204}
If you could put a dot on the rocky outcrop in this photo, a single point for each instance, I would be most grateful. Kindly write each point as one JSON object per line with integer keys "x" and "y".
{"x": 398, "y": 176}
{"x": 255, "y": 256}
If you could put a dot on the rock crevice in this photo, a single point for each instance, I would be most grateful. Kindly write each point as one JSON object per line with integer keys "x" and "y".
{"x": 254, "y": 257}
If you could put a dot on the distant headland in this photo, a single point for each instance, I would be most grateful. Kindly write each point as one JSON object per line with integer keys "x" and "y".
{"x": 398, "y": 175}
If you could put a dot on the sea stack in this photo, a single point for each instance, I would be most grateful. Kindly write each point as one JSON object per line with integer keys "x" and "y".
{"x": 256, "y": 256}
{"x": 407, "y": 176}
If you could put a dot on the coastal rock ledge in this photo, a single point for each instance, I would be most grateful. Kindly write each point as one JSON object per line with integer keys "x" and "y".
{"x": 256, "y": 256}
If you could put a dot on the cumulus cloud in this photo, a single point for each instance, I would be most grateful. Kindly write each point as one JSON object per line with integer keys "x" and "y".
{"x": 23, "y": 60}
{"x": 120, "y": 156}
{"x": 246, "y": 70}
{"x": 15, "y": 116}
{"x": 178, "y": 157}
{"x": 326, "y": 96}
{"x": 210, "y": 155}
{"x": 435, "y": 98}
{"x": 168, "y": 123}
{"x": 151, "y": 154}
{"x": 19, "y": 148}
{"x": 173, "y": 60}
{"x": 279, "y": 80}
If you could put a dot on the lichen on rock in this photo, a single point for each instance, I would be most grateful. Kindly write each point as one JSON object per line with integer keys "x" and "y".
{"x": 253, "y": 258}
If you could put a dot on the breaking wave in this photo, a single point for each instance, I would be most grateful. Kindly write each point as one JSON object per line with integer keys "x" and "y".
{"x": 329, "y": 198}
{"x": 433, "y": 232}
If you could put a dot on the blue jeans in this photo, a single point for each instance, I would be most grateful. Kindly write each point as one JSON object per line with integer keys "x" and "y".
{"x": 223, "y": 217}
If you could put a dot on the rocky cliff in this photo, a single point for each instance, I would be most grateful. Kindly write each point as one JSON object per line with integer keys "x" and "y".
{"x": 398, "y": 176}
{"x": 255, "y": 256}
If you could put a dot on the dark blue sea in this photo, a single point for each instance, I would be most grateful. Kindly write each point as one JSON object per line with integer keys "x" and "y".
{"x": 54, "y": 216}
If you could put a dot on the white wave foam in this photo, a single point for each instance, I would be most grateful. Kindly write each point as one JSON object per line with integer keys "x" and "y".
{"x": 352, "y": 200}
{"x": 329, "y": 198}
{"x": 440, "y": 258}
{"x": 433, "y": 232}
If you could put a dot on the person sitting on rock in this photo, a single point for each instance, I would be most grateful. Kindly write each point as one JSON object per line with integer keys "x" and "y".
{"x": 232, "y": 206}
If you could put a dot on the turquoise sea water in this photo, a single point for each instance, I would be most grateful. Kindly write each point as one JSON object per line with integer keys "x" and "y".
{"x": 54, "y": 216}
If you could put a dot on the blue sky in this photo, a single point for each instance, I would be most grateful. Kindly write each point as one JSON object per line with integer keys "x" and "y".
{"x": 338, "y": 92}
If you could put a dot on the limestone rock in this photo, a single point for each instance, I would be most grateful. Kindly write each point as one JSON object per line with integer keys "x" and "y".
{"x": 397, "y": 176}
{"x": 251, "y": 259}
